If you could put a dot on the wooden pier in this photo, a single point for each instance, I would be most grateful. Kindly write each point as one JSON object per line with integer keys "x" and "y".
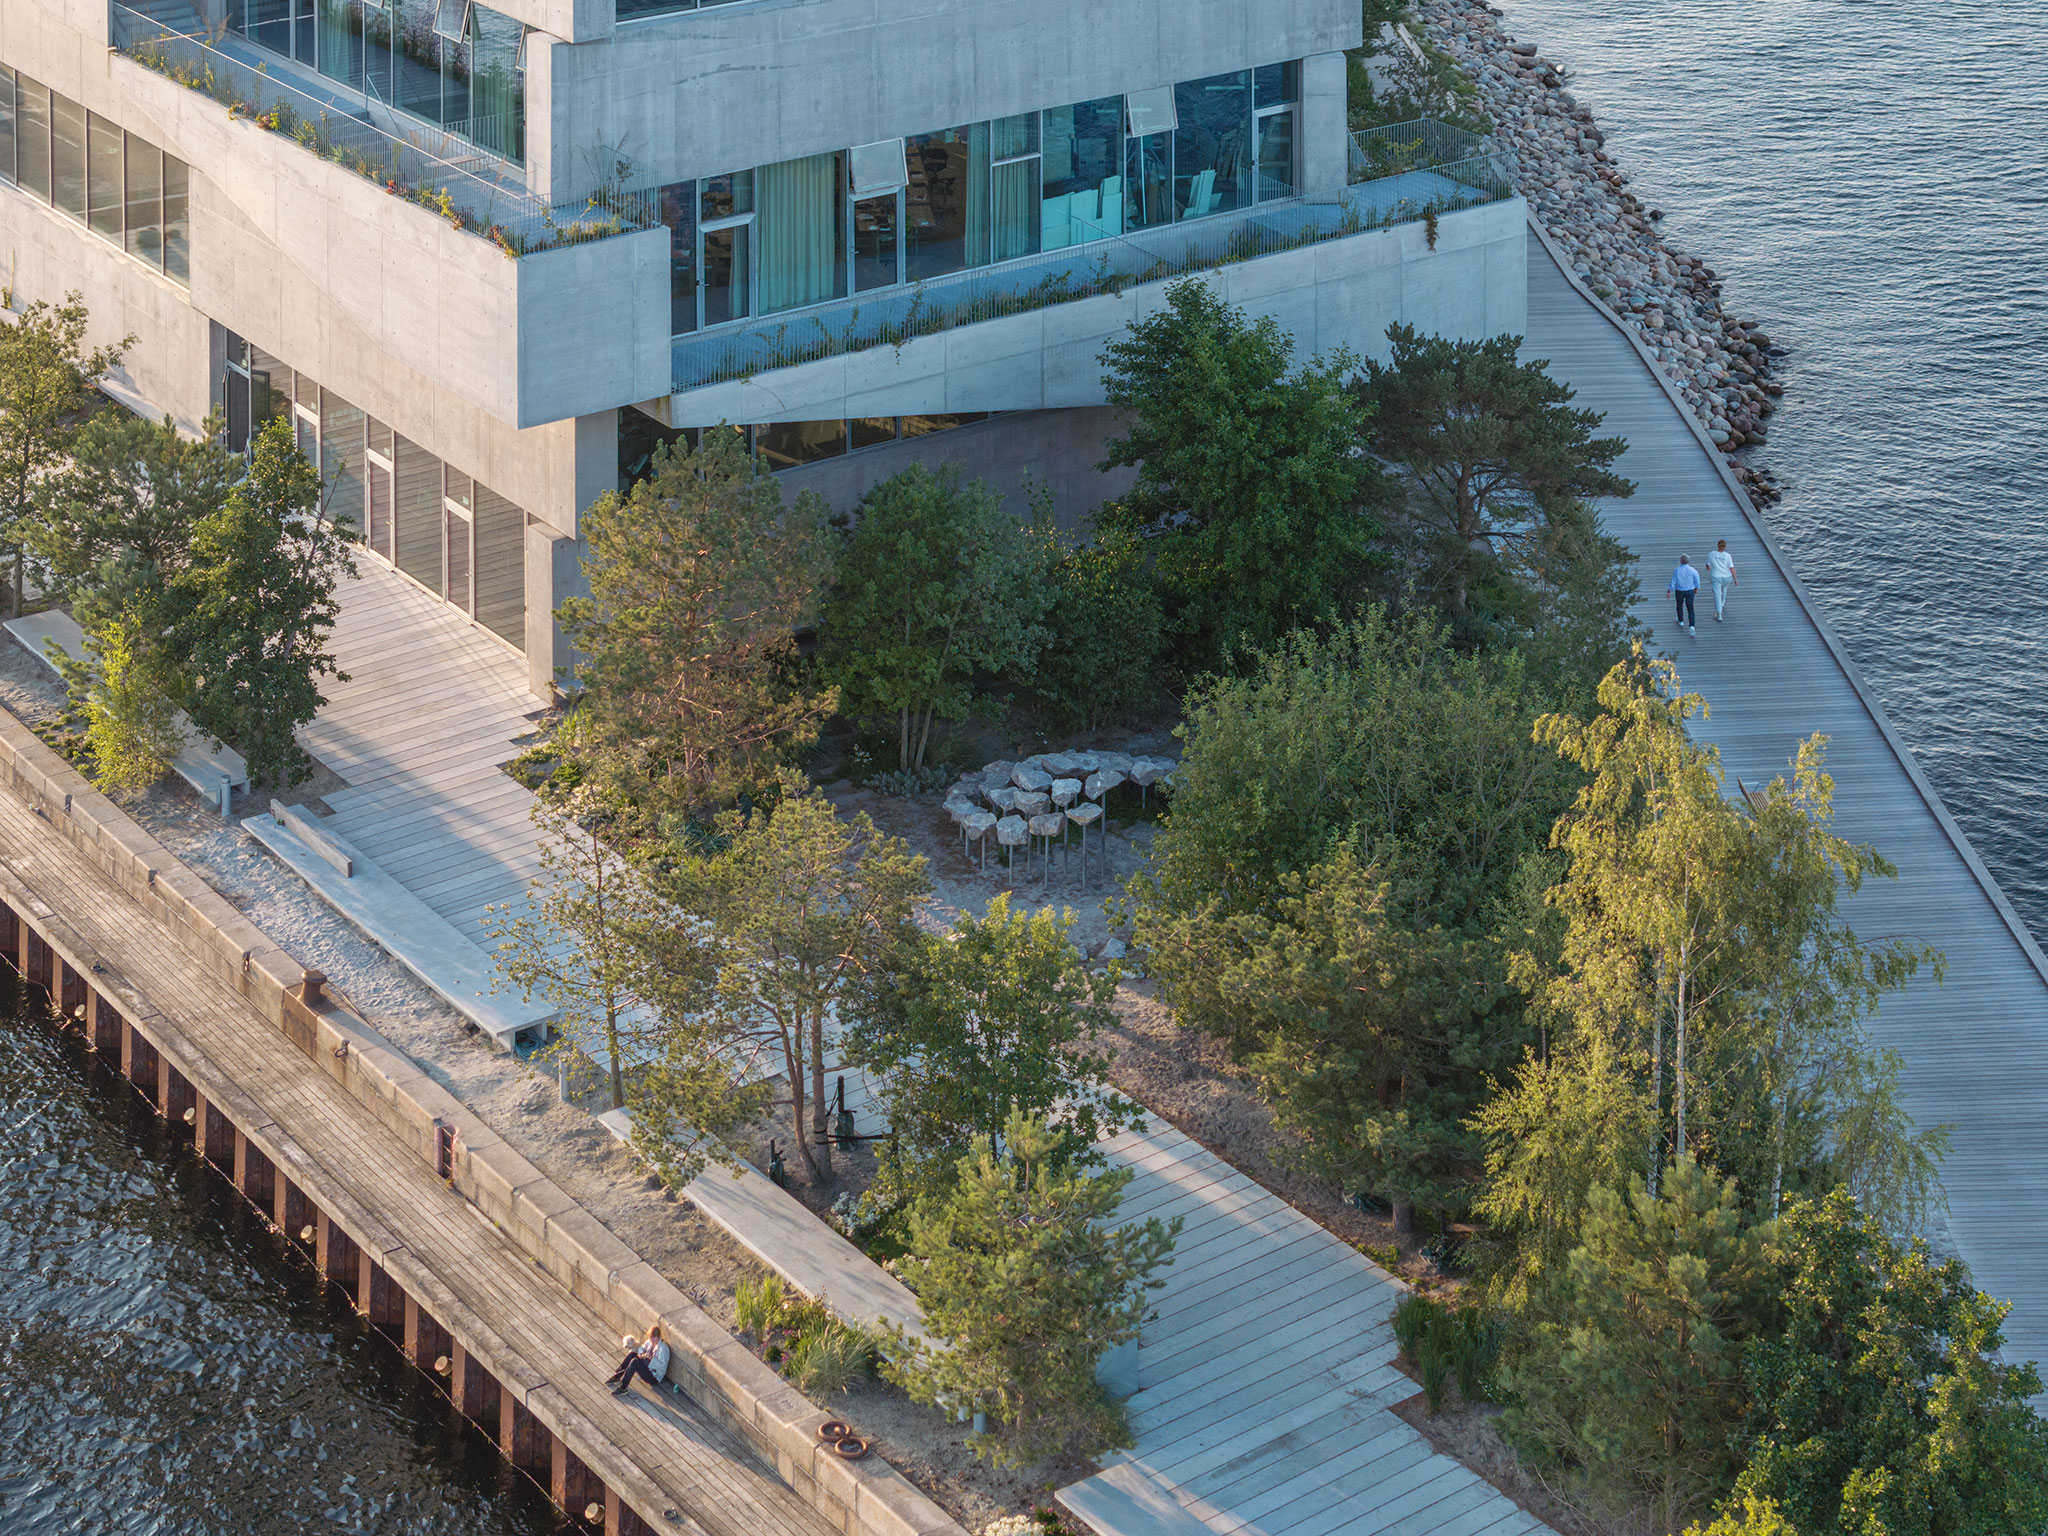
{"x": 515, "y": 1349}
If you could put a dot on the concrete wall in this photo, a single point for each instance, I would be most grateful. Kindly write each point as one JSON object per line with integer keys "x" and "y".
{"x": 741, "y": 85}
{"x": 1341, "y": 293}
{"x": 1056, "y": 449}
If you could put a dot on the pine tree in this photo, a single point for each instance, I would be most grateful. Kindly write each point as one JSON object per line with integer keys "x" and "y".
{"x": 254, "y": 608}
{"x": 1025, "y": 1282}
{"x": 700, "y": 579}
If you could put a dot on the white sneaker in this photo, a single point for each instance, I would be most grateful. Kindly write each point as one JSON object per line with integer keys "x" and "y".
{"x": 1692, "y": 630}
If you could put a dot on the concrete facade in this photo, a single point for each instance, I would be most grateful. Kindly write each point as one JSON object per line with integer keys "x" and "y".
{"x": 511, "y": 371}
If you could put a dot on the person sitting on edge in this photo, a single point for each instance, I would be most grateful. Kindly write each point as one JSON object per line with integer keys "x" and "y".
{"x": 649, "y": 1361}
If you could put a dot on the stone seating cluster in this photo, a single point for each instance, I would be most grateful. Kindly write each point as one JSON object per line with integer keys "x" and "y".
{"x": 1031, "y": 803}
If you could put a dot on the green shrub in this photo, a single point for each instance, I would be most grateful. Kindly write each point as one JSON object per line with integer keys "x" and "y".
{"x": 758, "y": 1305}
{"x": 1412, "y": 1320}
{"x": 829, "y": 1358}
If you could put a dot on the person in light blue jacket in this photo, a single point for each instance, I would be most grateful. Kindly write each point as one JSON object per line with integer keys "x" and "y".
{"x": 649, "y": 1363}
{"x": 1685, "y": 581}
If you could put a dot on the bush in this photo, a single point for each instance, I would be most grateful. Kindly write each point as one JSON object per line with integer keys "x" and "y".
{"x": 1446, "y": 1342}
{"x": 829, "y": 1358}
{"x": 758, "y": 1305}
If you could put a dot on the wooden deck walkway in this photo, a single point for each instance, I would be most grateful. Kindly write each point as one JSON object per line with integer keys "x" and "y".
{"x": 1265, "y": 1381}
{"x": 431, "y": 709}
{"x": 342, "y": 1155}
{"x": 1976, "y": 1049}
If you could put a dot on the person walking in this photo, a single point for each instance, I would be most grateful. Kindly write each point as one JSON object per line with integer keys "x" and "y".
{"x": 1721, "y": 572}
{"x": 1685, "y": 581}
{"x": 649, "y": 1363}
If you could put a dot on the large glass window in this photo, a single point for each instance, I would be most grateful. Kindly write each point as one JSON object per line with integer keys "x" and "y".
{"x": 143, "y": 191}
{"x": 341, "y": 459}
{"x": 1082, "y": 157}
{"x": 106, "y": 196}
{"x": 67, "y": 156}
{"x": 1014, "y": 203}
{"x": 32, "y": 130}
{"x": 786, "y": 444}
{"x": 679, "y": 213}
{"x": 946, "y": 202}
{"x": 417, "y": 531}
{"x": 802, "y": 259}
{"x": 177, "y": 221}
{"x": 1212, "y": 147}
{"x": 7, "y": 136}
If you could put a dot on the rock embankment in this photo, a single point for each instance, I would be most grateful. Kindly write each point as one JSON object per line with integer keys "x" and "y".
{"x": 1549, "y": 144}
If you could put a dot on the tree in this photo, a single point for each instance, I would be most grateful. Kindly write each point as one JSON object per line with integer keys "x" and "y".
{"x": 1492, "y": 512}
{"x": 1632, "y": 1370}
{"x": 1248, "y": 474}
{"x": 699, "y": 580}
{"x": 998, "y": 1016}
{"x": 1754, "y": 1517}
{"x": 1331, "y": 891}
{"x": 117, "y": 521}
{"x": 1024, "y": 1283}
{"x": 1878, "y": 1405}
{"x": 1702, "y": 960}
{"x": 254, "y": 608}
{"x": 804, "y": 911}
{"x": 47, "y": 383}
{"x": 936, "y": 583}
{"x": 132, "y": 723}
{"x": 1105, "y": 630}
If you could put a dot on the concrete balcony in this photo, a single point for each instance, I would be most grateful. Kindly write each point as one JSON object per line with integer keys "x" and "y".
{"x": 1440, "y": 249}
{"x": 444, "y": 266}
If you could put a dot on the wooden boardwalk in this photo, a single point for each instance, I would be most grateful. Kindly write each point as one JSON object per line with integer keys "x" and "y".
{"x": 345, "y": 1159}
{"x": 432, "y": 707}
{"x": 1976, "y": 1049}
{"x": 1266, "y": 1378}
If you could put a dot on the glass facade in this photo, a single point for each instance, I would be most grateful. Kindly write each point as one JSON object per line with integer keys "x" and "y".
{"x": 449, "y": 532}
{"x": 807, "y": 231}
{"x": 781, "y": 444}
{"x": 457, "y": 64}
{"x": 124, "y": 189}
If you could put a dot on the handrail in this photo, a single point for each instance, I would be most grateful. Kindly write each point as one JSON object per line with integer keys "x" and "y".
{"x": 742, "y": 348}
{"x": 477, "y": 194}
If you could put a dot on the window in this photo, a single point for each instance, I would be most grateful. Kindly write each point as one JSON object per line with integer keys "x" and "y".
{"x": 342, "y": 465}
{"x": 416, "y": 531}
{"x": 67, "y": 156}
{"x": 871, "y": 431}
{"x": 1276, "y": 88}
{"x": 802, "y": 256}
{"x": 177, "y": 221}
{"x": 946, "y": 202}
{"x": 1081, "y": 158}
{"x": 106, "y": 198}
{"x": 1014, "y": 203}
{"x": 7, "y": 135}
{"x": 679, "y": 212}
{"x": 32, "y": 130}
{"x": 788, "y": 444}
{"x": 1212, "y": 148}
{"x": 378, "y": 444}
{"x": 143, "y": 191}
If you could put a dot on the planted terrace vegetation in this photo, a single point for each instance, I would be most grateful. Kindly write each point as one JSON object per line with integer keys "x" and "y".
{"x": 1444, "y": 870}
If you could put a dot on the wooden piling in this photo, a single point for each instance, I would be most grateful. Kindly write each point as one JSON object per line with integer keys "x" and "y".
{"x": 572, "y": 1485}
{"x": 104, "y": 1025}
{"x": 71, "y": 990}
{"x": 214, "y": 1135}
{"x": 293, "y": 1212}
{"x": 10, "y": 936}
{"x": 473, "y": 1389}
{"x": 524, "y": 1440}
{"x": 179, "y": 1096}
{"x": 335, "y": 1252}
{"x": 378, "y": 1297}
{"x": 255, "y": 1176}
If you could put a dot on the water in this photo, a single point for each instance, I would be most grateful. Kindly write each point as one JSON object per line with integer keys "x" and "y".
{"x": 1870, "y": 179}
{"x": 166, "y": 1366}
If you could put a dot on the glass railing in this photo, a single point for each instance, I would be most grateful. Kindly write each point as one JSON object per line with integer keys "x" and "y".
{"x": 742, "y": 349}
{"x": 438, "y": 168}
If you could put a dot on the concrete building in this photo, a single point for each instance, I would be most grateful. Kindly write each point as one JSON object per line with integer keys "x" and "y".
{"x": 485, "y": 257}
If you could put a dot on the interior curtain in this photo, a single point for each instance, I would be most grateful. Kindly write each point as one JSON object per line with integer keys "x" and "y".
{"x": 977, "y": 195}
{"x": 797, "y": 210}
{"x": 341, "y": 42}
{"x": 1014, "y": 202}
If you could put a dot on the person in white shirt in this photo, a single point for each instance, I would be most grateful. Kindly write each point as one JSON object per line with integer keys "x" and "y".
{"x": 649, "y": 1362}
{"x": 1721, "y": 572}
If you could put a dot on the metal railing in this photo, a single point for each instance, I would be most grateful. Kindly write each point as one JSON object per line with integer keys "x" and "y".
{"x": 437, "y": 168}
{"x": 1394, "y": 149}
{"x": 741, "y": 349}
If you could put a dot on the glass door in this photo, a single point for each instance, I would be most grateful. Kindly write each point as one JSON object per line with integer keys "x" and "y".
{"x": 877, "y": 249}
{"x": 725, "y": 261}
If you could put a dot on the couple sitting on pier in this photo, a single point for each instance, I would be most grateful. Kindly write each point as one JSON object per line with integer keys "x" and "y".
{"x": 649, "y": 1362}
